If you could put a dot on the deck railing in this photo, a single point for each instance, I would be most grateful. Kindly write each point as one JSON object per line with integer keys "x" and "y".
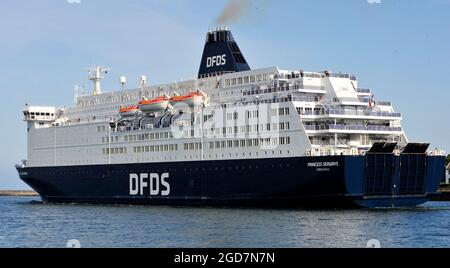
{"x": 352, "y": 128}
{"x": 349, "y": 113}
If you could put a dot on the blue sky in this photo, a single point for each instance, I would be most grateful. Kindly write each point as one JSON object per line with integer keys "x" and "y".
{"x": 399, "y": 48}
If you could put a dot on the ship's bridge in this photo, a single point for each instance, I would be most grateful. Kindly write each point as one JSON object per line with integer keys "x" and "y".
{"x": 39, "y": 114}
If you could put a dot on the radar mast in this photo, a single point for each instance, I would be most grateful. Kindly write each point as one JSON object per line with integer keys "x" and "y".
{"x": 95, "y": 75}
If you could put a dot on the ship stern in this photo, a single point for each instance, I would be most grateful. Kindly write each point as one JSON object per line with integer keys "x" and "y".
{"x": 385, "y": 180}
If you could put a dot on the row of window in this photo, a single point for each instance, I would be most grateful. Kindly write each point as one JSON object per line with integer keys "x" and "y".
{"x": 248, "y": 114}
{"x": 255, "y": 114}
{"x": 195, "y": 146}
{"x": 140, "y": 137}
{"x": 268, "y": 90}
{"x": 239, "y": 143}
{"x": 37, "y": 114}
{"x": 246, "y": 80}
{"x": 207, "y": 132}
{"x": 155, "y": 148}
{"x": 308, "y": 110}
{"x": 113, "y": 139}
{"x": 240, "y": 130}
{"x": 250, "y": 143}
{"x": 114, "y": 151}
{"x": 149, "y": 136}
{"x": 280, "y": 111}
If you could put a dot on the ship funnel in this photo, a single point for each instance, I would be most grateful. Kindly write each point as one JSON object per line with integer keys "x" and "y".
{"x": 221, "y": 55}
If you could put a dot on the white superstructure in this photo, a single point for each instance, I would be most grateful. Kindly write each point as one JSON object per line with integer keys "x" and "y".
{"x": 265, "y": 113}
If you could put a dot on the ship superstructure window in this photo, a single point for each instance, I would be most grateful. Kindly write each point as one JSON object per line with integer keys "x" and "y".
{"x": 242, "y": 80}
{"x": 268, "y": 90}
{"x": 114, "y": 151}
{"x": 192, "y": 146}
{"x": 147, "y": 136}
{"x": 284, "y": 126}
{"x": 240, "y": 143}
{"x": 155, "y": 148}
{"x": 280, "y": 112}
{"x": 233, "y": 116}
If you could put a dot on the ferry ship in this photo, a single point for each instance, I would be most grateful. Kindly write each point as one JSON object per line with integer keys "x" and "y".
{"x": 234, "y": 136}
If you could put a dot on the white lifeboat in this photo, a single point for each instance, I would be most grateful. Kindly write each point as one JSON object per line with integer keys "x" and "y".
{"x": 154, "y": 105}
{"x": 129, "y": 111}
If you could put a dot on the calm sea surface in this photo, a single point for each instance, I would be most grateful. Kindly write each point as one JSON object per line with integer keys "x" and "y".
{"x": 24, "y": 223}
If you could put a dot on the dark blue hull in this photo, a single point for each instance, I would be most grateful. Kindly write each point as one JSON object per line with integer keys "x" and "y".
{"x": 327, "y": 182}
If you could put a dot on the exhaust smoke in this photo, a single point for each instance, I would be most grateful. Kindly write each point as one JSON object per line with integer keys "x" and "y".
{"x": 233, "y": 11}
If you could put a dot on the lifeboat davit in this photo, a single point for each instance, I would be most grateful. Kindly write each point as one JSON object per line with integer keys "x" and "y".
{"x": 129, "y": 111}
{"x": 154, "y": 105}
{"x": 193, "y": 99}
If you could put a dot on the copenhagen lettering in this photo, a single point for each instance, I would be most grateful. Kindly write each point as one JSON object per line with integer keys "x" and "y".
{"x": 149, "y": 184}
{"x": 216, "y": 61}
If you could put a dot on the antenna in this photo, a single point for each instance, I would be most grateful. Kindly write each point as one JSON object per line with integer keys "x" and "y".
{"x": 143, "y": 84}
{"x": 76, "y": 93}
{"x": 123, "y": 81}
{"x": 143, "y": 81}
{"x": 95, "y": 75}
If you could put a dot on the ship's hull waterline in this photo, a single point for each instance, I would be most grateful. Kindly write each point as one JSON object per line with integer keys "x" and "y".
{"x": 305, "y": 182}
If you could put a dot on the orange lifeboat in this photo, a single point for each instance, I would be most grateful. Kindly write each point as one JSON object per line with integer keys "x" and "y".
{"x": 192, "y": 99}
{"x": 154, "y": 105}
{"x": 128, "y": 111}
